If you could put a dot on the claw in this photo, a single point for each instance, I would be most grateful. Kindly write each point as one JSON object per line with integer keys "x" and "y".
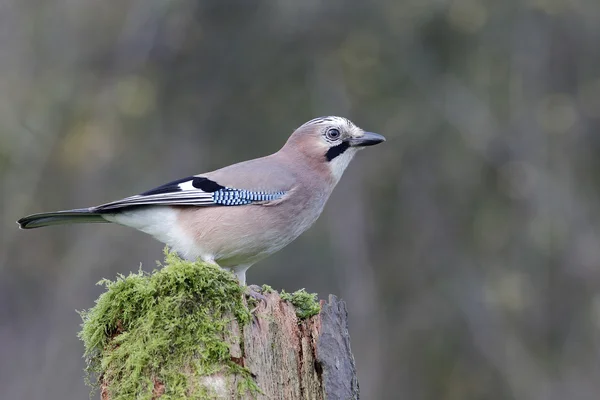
{"x": 253, "y": 292}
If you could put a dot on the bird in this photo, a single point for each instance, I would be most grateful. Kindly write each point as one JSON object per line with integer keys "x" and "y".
{"x": 240, "y": 214}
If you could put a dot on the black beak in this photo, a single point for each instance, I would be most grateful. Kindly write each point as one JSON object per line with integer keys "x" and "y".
{"x": 368, "y": 139}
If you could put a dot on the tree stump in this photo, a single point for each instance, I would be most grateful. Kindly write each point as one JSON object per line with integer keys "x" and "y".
{"x": 213, "y": 346}
{"x": 292, "y": 359}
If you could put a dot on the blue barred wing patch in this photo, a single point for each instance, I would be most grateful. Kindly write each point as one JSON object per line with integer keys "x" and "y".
{"x": 237, "y": 197}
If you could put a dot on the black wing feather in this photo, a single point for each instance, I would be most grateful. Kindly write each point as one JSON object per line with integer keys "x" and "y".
{"x": 201, "y": 191}
{"x": 168, "y": 187}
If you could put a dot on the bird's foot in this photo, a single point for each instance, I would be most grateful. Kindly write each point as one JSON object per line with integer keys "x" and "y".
{"x": 253, "y": 293}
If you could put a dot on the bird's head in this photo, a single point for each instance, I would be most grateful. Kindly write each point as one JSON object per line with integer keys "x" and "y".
{"x": 330, "y": 143}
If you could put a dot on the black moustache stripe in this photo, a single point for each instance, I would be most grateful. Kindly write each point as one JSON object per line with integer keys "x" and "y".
{"x": 335, "y": 151}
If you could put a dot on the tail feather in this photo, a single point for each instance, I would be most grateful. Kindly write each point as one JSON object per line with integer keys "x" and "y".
{"x": 77, "y": 216}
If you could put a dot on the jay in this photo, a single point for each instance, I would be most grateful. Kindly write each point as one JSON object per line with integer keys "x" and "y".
{"x": 240, "y": 214}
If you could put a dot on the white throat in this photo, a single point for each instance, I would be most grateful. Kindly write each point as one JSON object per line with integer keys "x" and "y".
{"x": 339, "y": 164}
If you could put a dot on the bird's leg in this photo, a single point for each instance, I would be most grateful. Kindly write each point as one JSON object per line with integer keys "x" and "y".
{"x": 252, "y": 291}
{"x": 240, "y": 274}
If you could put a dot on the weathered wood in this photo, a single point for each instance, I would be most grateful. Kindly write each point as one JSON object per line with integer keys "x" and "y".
{"x": 333, "y": 352}
{"x": 288, "y": 358}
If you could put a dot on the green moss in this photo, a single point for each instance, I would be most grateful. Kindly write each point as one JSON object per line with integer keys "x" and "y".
{"x": 266, "y": 288}
{"x": 166, "y": 327}
{"x": 306, "y": 304}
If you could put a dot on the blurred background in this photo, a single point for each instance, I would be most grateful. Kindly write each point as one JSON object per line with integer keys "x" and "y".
{"x": 467, "y": 247}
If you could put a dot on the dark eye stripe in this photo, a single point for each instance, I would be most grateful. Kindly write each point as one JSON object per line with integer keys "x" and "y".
{"x": 335, "y": 151}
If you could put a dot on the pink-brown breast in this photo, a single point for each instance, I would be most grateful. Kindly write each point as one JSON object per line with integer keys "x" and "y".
{"x": 238, "y": 235}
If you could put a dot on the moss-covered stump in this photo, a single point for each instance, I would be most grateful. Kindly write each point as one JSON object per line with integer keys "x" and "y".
{"x": 186, "y": 332}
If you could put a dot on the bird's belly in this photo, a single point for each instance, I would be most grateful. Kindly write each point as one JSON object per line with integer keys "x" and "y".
{"x": 242, "y": 235}
{"x": 249, "y": 249}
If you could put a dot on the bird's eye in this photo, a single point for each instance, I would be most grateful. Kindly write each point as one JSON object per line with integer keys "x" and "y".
{"x": 333, "y": 134}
